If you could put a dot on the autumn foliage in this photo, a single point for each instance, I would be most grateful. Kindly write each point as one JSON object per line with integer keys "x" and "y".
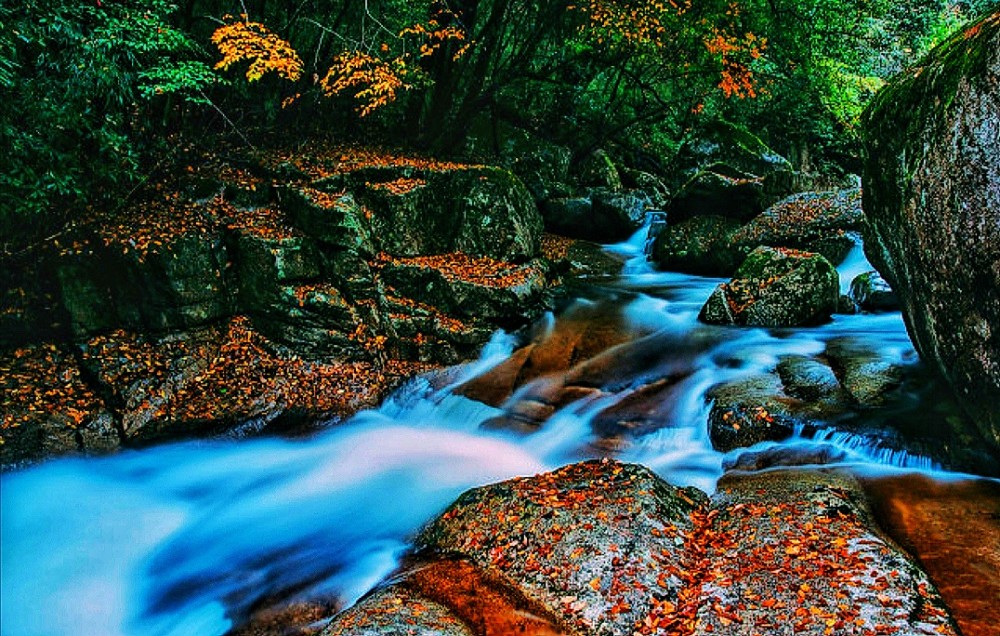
{"x": 242, "y": 40}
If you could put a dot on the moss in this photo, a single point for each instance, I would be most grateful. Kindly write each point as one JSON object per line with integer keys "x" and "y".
{"x": 898, "y": 111}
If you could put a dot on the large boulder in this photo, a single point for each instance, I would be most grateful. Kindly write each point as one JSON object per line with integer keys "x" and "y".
{"x": 728, "y": 171}
{"x": 776, "y": 287}
{"x": 812, "y": 221}
{"x": 609, "y": 549}
{"x": 932, "y": 195}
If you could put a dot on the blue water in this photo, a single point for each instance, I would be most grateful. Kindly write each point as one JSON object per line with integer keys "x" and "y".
{"x": 178, "y": 538}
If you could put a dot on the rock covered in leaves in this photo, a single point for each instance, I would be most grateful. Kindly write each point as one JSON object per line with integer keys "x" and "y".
{"x": 310, "y": 282}
{"x": 414, "y": 211}
{"x": 798, "y": 552}
{"x": 604, "y": 548}
{"x": 817, "y": 222}
{"x": 932, "y": 195}
{"x": 776, "y": 287}
{"x": 598, "y": 544}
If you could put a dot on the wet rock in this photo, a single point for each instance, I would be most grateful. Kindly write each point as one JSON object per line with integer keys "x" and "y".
{"x": 509, "y": 294}
{"x": 798, "y": 552}
{"x": 699, "y": 245}
{"x": 625, "y": 211}
{"x": 605, "y": 215}
{"x": 810, "y": 380}
{"x": 597, "y": 170}
{"x": 753, "y": 410}
{"x": 785, "y": 455}
{"x": 587, "y": 260}
{"x": 867, "y": 375}
{"x": 819, "y": 222}
{"x": 872, "y": 293}
{"x": 932, "y": 195}
{"x": 598, "y": 544}
{"x": 397, "y": 611}
{"x": 776, "y": 287}
{"x": 580, "y": 334}
{"x": 948, "y": 526}
{"x": 652, "y": 185}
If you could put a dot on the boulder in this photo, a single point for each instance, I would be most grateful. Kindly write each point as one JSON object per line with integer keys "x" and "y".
{"x": 699, "y": 245}
{"x": 602, "y": 548}
{"x": 649, "y": 183}
{"x": 818, "y": 222}
{"x": 719, "y": 191}
{"x": 604, "y": 216}
{"x": 598, "y": 544}
{"x": 776, "y": 287}
{"x": 932, "y": 196}
{"x": 870, "y": 292}
{"x": 174, "y": 282}
{"x": 754, "y": 410}
{"x": 868, "y": 375}
{"x": 723, "y": 142}
{"x": 411, "y": 211}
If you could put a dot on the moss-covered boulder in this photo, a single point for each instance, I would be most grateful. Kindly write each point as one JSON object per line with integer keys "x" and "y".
{"x": 412, "y": 211}
{"x": 932, "y": 195}
{"x": 158, "y": 283}
{"x": 870, "y": 292}
{"x": 776, "y": 287}
{"x": 603, "y": 215}
{"x": 597, "y": 170}
{"x": 721, "y": 141}
{"x": 699, "y": 245}
{"x": 719, "y": 190}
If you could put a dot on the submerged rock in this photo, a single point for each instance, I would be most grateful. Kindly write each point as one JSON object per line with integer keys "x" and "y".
{"x": 932, "y": 196}
{"x": 776, "y": 287}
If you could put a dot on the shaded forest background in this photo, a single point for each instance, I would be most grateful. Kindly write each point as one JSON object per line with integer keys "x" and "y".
{"x": 100, "y": 95}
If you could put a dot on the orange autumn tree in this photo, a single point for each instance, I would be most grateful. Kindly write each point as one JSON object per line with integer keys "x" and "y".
{"x": 372, "y": 72}
{"x": 638, "y": 28}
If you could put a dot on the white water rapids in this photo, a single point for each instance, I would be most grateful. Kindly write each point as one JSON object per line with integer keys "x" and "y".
{"x": 173, "y": 539}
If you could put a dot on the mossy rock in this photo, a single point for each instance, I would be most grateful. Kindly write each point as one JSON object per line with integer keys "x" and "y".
{"x": 932, "y": 196}
{"x": 699, "y": 245}
{"x": 776, "y": 287}
{"x": 597, "y": 170}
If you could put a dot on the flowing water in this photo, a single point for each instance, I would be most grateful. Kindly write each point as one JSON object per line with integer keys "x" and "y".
{"x": 180, "y": 538}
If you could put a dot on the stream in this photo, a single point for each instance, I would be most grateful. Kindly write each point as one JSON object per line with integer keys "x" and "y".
{"x": 179, "y": 538}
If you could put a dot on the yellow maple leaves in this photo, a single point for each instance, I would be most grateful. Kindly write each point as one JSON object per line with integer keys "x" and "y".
{"x": 374, "y": 78}
{"x": 242, "y": 40}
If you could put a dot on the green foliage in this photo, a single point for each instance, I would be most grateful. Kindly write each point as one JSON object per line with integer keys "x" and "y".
{"x": 81, "y": 83}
